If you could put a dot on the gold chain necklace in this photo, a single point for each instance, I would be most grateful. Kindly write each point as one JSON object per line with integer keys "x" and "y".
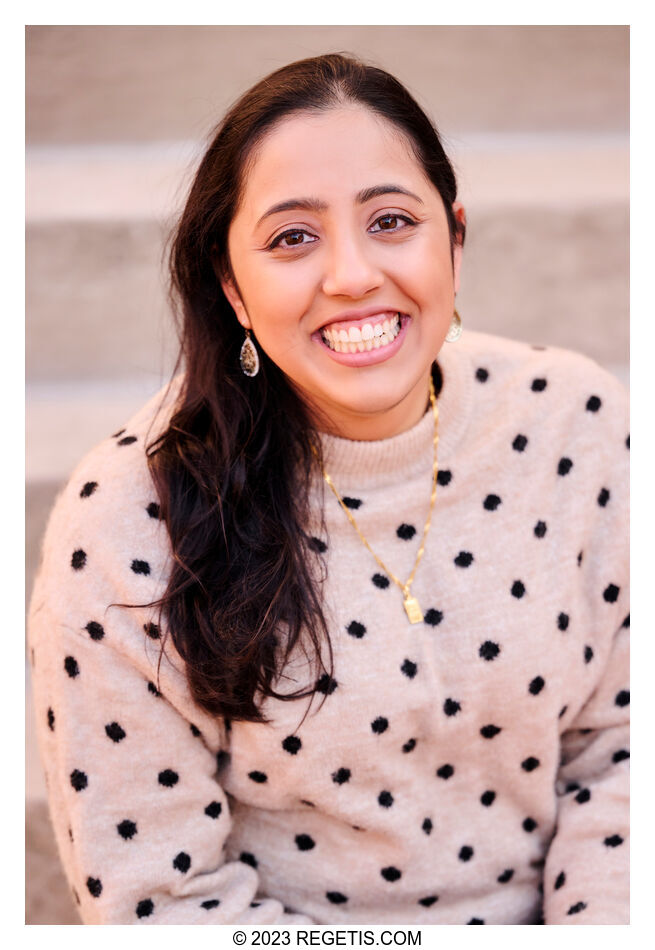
{"x": 411, "y": 604}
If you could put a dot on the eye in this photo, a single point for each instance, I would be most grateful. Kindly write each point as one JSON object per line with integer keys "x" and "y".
{"x": 389, "y": 222}
{"x": 292, "y": 238}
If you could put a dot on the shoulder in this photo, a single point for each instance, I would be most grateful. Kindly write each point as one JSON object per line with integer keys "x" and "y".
{"x": 105, "y": 541}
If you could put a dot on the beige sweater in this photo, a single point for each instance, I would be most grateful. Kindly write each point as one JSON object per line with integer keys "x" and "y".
{"x": 472, "y": 768}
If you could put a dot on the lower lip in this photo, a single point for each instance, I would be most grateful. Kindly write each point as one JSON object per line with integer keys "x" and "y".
{"x": 367, "y": 357}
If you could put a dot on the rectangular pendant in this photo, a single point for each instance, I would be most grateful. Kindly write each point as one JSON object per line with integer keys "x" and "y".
{"x": 413, "y": 610}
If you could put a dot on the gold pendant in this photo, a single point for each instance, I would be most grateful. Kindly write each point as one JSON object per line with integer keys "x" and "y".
{"x": 412, "y": 609}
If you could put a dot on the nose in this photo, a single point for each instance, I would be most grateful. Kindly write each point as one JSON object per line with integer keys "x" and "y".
{"x": 351, "y": 269}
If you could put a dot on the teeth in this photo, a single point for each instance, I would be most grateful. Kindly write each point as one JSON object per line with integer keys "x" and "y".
{"x": 354, "y": 335}
{"x": 371, "y": 336}
{"x": 367, "y": 332}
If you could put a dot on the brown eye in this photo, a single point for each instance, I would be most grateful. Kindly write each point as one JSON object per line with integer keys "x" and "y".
{"x": 292, "y": 238}
{"x": 388, "y": 218}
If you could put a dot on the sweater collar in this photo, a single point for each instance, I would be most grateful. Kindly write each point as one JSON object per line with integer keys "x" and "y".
{"x": 387, "y": 461}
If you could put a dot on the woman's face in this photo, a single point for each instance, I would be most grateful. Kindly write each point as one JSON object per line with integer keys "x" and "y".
{"x": 341, "y": 244}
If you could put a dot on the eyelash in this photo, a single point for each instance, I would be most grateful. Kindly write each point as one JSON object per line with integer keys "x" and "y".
{"x": 276, "y": 242}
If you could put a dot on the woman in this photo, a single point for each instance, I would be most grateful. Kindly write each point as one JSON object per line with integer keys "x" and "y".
{"x": 337, "y": 632}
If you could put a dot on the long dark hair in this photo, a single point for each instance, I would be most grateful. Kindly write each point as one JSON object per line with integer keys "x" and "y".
{"x": 233, "y": 468}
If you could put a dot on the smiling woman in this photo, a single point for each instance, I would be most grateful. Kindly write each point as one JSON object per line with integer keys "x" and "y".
{"x": 323, "y": 460}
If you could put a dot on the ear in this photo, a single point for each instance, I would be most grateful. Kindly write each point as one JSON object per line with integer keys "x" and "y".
{"x": 231, "y": 291}
{"x": 460, "y": 217}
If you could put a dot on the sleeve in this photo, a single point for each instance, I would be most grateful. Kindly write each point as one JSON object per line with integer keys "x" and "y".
{"x": 140, "y": 817}
{"x": 586, "y": 874}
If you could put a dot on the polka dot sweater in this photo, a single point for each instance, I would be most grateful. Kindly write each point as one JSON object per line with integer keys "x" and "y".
{"x": 468, "y": 769}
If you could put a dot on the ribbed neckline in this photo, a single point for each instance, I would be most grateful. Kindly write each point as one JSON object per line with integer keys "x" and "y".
{"x": 386, "y": 461}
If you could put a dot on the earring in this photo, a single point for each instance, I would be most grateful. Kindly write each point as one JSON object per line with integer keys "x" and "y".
{"x": 455, "y": 329}
{"x": 249, "y": 357}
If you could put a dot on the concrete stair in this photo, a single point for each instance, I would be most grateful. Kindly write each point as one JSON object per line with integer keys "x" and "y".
{"x": 535, "y": 119}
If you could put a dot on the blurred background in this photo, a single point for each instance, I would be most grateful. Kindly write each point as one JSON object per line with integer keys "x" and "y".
{"x": 535, "y": 119}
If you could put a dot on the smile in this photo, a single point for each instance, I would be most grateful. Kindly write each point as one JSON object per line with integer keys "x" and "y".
{"x": 371, "y": 341}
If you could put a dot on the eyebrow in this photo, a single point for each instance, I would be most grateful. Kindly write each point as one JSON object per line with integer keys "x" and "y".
{"x": 316, "y": 205}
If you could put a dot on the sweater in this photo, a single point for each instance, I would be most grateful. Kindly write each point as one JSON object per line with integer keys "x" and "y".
{"x": 468, "y": 769}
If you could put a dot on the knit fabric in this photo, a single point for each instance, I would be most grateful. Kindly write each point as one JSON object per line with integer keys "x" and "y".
{"x": 472, "y": 768}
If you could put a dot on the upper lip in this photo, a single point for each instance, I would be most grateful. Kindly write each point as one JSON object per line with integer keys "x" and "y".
{"x": 358, "y": 315}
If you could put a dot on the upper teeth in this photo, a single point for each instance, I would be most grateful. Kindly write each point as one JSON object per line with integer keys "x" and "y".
{"x": 371, "y": 335}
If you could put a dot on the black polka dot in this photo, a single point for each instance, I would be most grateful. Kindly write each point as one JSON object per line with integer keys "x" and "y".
{"x": 506, "y": 876}
{"x": 518, "y": 589}
{"x": 529, "y": 824}
{"x": 351, "y": 502}
{"x": 482, "y": 374}
{"x": 385, "y": 799}
{"x": 563, "y": 621}
{"x": 562, "y": 711}
{"x": 588, "y": 654}
{"x": 126, "y": 829}
{"x": 88, "y": 489}
{"x": 71, "y": 667}
{"x": 593, "y": 404}
{"x": 222, "y": 759}
{"x": 622, "y": 698}
{"x": 571, "y": 787}
{"x": 520, "y": 443}
{"x": 341, "y": 775}
{"x": 78, "y": 560}
{"x": 489, "y": 650}
{"x": 627, "y": 443}
{"x": 583, "y": 796}
{"x": 380, "y": 581}
{"x": 214, "y": 809}
{"x": 406, "y": 531}
{"x": 579, "y": 558}
{"x": 564, "y": 466}
{"x": 259, "y": 777}
{"x": 247, "y": 858}
{"x": 611, "y": 593}
{"x": 427, "y": 826}
{"x": 94, "y": 886}
{"x": 603, "y": 497}
{"x": 292, "y": 745}
{"x": 154, "y": 510}
{"x": 70, "y": 833}
{"x": 465, "y": 853}
{"x": 540, "y": 529}
{"x": 410, "y": 745}
{"x": 182, "y": 862}
{"x": 620, "y": 755}
{"x": 140, "y": 567}
{"x": 390, "y": 874}
{"x": 445, "y": 771}
{"x": 336, "y": 897}
{"x": 305, "y": 842}
{"x": 153, "y": 631}
{"x": 115, "y": 732}
{"x": 626, "y": 622}
{"x": 317, "y": 545}
{"x": 613, "y": 841}
{"x": 530, "y": 764}
{"x": 451, "y": 707}
{"x": 491, "y": 502}
{"x": 79, "y": 781}
{"x": 487, "y": 798}
{"x": 356, "y": 629}
{"x": 476, "y": 920}
{"x": 379, "y": 725}
{"x": 145, "y": 908}
{"x": 576, "y": 908}
{"x": 488, "y": 732}
{"x": 433, "y": 617}
{"x": 209, "y": 905}
{"x": 51, "y": 719}
{"x": 258, "y": 904}
{"x": 326, "y": 684}
{"x": 194, "y": 730}
{"x": 464, "y": 559}
{"x": 538, "y": 385}
{"x": 560, "y": 880}
{"x": 428, "y": 901}
{"x": 409, "y": 668}
{"x": 444, "y": 477}
{"x": 127, "y": 440}
{"x": 168, "y": 778}
{"x": 95, "y": 630}
{"x": 536, "y": 685}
